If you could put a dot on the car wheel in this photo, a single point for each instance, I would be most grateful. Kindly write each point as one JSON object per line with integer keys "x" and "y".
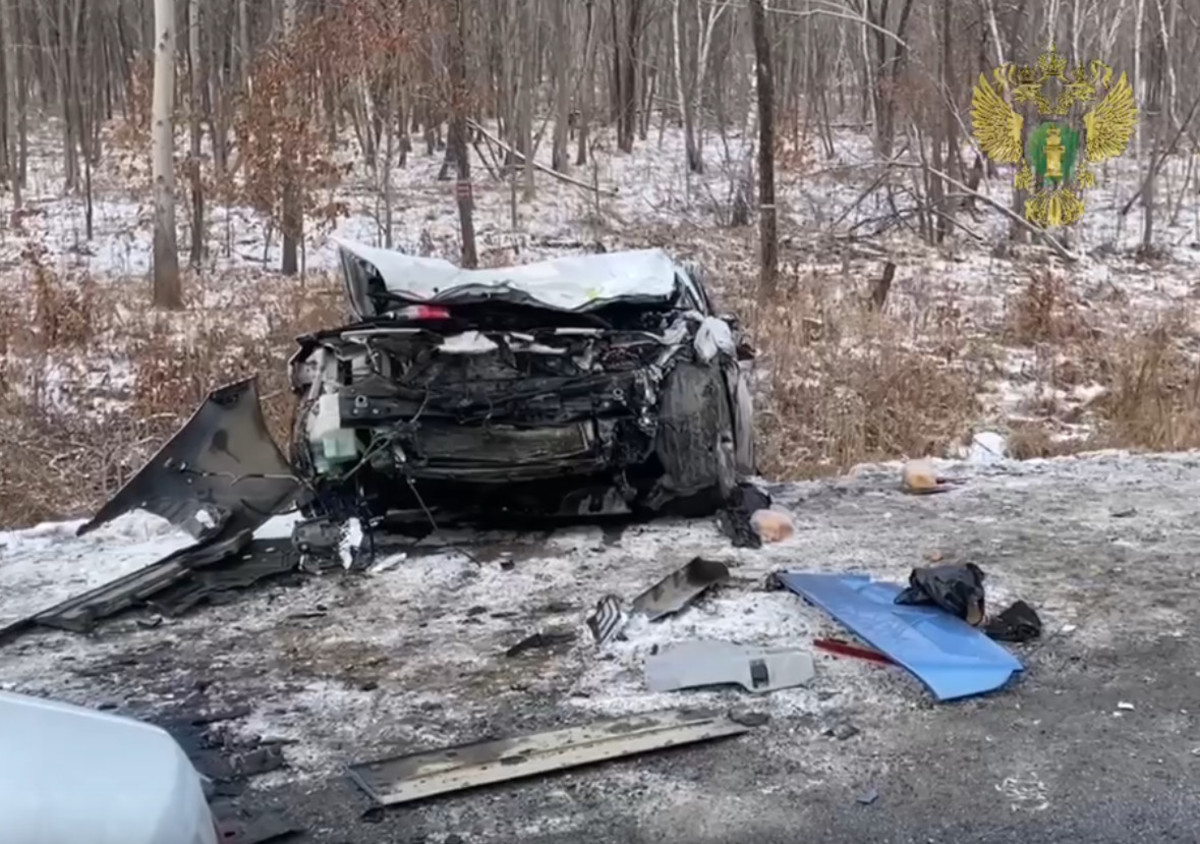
{"x": 695, "y": 441}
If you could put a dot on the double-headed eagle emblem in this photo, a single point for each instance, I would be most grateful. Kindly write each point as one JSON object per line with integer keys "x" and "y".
{"x": 1053, "y": 157}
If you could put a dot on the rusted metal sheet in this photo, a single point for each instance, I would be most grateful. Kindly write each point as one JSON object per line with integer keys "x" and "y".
{"x": 403, "y": 779}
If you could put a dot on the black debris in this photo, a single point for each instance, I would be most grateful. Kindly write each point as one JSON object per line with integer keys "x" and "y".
{"x": 1018, "y": 623}
{"x": 842, "y": 732}
{"x": 260, "y": 829}
{"x": 541, "y": 639}
{"x": 734, "y": 519}
{"x": 958, "y": 589}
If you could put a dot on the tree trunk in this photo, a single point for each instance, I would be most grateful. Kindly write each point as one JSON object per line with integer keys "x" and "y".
{"x": 588, "y": 85}
{"x": 629, "y": 73}
{"x": 195, "y": 105}
{"x": 14, "y": 80}
{"x": 765, "y": 83}
{"x": 559, "y": 158}
{"x": 167, "y": 291}
{"x": 293, "y": 216}
{"x": 458, "y": 134}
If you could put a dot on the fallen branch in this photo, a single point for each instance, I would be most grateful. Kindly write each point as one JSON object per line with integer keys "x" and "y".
{"x": 1051, "y": 241}
{"x": 562, "y": 177}
{"x": 1158, "y": 162}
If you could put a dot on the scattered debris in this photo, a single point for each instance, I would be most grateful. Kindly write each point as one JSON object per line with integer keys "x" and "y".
{"x": 541, "y": 639}
{"x": 867, "y": 797}
{"x": 745, "y": 500}
{"x": 1018, "y": 623}
{"x": 402, "y": 779}
{"x": 607, "y": 620}
{"x": 679, "y": 588}
{"x": 950, "y": 657}
{"x": 713, "y": 663}
{"x": 261, "y": 760}
{"x": 843, "y": 648}
{"x": 841, "y": 732}
{"x": 205, "y": 572}
{"x": 919, "y": 477}
{"x": 749, "y": 718}
{"x": 772, "y": 525}
{"x": 958, "y": 589}
{"x": 669, "y": 595}
{"x": 260, "y": 829}
{"x": 387, "y": 563}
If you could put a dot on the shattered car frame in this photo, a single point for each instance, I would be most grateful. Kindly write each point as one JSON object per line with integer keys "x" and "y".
{"x": 585, "y": 385}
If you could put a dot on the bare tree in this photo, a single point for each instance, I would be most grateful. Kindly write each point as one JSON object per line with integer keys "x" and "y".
{"x": 167, "y": 289}
{"x": 765, "y": 83}
{"x": 457, "y": 139}
{"x": 195, "y": 106}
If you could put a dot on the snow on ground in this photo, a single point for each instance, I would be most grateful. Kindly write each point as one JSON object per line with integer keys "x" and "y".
{"x": 350, "y": 666}
{"x": 43, "y": 565}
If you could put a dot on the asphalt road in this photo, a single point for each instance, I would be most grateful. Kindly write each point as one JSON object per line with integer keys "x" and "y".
{"x": 1104, "y": 548}
{"x": 1052, "y": 759}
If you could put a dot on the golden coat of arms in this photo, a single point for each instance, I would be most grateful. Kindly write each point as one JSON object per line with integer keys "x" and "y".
{"x": 1054, "y": 155}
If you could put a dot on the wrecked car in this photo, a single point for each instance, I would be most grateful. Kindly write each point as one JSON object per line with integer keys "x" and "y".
{"x": 584, "y": 385}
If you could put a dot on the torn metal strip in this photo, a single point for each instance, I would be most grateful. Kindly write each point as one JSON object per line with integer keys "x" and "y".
{"x": 679, "y": 588}
{"x": 403, "y": 779}
{"x": 80, "y": 614}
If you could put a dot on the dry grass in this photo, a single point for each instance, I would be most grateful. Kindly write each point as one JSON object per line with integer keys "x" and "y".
{"x": 845, "y": 385}
{"x": 1153, "y": 397}
{"x": 92, "y": 379}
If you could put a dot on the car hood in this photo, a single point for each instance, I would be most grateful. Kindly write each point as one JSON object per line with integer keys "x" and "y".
{"x": 571, "y": 283}
{"x": 74, "y": 774}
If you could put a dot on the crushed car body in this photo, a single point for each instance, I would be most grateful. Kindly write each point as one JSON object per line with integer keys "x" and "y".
{"x": 585, "y": 385}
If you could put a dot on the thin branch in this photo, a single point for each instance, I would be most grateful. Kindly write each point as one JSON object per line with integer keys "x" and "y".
{"x": 1051, "y": 241}
{"x": 562, "y": 177}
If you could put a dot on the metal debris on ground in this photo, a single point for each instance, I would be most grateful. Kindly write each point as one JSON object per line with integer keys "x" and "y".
{"x": 259, "y": 829}
{"x": 867, "y": 797}
{"x": 690, "y": 665}
{"x": 952, "y": 659}
{"x": 679, "y": 588}
{"x": 403, "y": 779}
{"x": 607, "y": 619}
{"x": 541, "y": 639}
{"x": 669, "y": 595}
{"x": 205, "y": 572}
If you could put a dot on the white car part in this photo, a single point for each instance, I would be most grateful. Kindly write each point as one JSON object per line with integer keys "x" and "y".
{"x": 69, "y": 774}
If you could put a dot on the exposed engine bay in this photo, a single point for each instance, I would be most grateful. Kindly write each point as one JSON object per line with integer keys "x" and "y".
{"x": 479, "y": 398}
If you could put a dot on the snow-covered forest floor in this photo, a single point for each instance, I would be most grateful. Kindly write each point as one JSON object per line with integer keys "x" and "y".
{"x": 975, "y": 334}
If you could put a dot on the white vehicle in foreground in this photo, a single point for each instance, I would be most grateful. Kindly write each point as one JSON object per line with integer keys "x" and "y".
{"x": 70, "y": 775}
